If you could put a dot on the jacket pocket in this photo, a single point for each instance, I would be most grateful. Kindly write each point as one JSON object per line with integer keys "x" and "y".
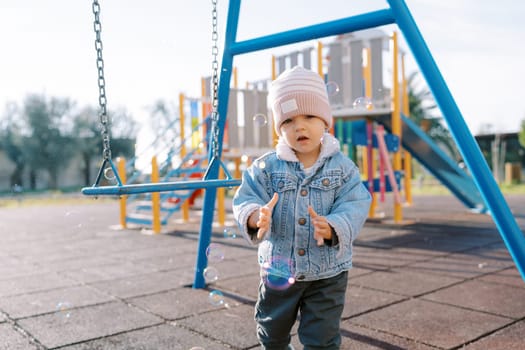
{"x": 328, "y": 181}
{"x": 282, "y": 182}
{"x": 324, "y": 190}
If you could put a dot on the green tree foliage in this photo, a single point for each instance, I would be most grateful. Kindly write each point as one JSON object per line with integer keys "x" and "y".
{"x": 11, "y": 142}
{"x": 88, "y": 140}
{"x": 48, "y": 146}
{"x": 423, "y": 111}
{"x": 45, "y": 133}
{"x": 123, "y": 130}
{"x": 521, "y": 135}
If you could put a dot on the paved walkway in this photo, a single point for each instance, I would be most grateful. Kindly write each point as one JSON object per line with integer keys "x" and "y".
{"x": 70, "y": 279}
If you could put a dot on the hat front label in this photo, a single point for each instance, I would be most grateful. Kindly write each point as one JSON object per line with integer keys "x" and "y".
{"x": 289, "y": 106}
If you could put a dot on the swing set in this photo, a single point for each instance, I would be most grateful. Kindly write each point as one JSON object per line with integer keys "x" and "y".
{"x": 397, "y": 13}
{"x": 210, "y": 178}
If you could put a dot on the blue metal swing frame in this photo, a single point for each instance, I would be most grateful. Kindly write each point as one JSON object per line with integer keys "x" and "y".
{"x": 120, "y": 189}
{"x": 397, "y": 13}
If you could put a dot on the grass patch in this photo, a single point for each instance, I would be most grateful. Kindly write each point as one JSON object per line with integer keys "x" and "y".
{"x": 513, "y": 188}
{"x": 44, "y": 198}
{"x": 439, "y": 189}
{"x": 51, "y": 198}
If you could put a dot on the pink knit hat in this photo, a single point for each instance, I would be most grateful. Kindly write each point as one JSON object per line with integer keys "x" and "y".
{"x": 298, "y": 91}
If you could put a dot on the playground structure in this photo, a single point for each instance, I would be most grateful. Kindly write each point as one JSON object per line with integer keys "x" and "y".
{"x": 396, "y": 13}
{"x": 185, "y": 159}
{"x": 249, "y": 133}
{"x": 360, "y": 129}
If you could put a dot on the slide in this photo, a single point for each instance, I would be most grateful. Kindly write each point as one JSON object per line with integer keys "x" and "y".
{"x": 425, "y": 150}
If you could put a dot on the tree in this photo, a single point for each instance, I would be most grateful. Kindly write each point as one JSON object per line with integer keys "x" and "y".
{"x": 521, "y": 135}
{"x": 47, "y": 147}
{"x": 12, "y": 142}
{"x": 45, "y": 133}
{"x": 423, "y": 111}
{"x": 86, "y": 128}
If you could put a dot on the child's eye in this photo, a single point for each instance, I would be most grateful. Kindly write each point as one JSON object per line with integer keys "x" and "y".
{"x": 286, "y": 121}
{"x": 311, "y": 116}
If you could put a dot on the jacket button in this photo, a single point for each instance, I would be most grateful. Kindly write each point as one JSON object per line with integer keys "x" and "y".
{"x": 301, "y": 252}
{"x": 326, "y": 182}
{"x": 304, "y": 192}
{"x": 302, "y": 221}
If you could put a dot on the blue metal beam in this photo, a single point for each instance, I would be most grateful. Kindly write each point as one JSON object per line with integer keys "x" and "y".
{"x": 340, "y": 26}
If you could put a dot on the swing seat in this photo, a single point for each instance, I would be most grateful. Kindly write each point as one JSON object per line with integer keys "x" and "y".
{"x": 119, "y": 190}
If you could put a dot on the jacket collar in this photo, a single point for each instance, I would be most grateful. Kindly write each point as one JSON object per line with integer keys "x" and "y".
{"x": 329, "y": 147}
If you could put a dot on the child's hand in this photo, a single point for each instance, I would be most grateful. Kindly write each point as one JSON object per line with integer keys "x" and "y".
{"x": 322, "y": 229}
{"x": 264, "y": 216}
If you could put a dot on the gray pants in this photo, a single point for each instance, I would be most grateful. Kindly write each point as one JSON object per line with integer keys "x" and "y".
{"x": 319, "y": 304}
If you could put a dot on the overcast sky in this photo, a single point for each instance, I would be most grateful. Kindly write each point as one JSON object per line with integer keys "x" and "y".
{"x": 159, "y": 48}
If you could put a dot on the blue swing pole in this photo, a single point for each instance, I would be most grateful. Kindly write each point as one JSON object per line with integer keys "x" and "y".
{"x": 500, "y": 211}
{"x": 213, "y": 170}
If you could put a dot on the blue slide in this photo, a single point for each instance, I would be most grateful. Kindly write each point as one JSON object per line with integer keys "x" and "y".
{"x": 425, "y": 150}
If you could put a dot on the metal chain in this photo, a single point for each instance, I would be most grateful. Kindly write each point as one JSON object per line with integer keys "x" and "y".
{"x": 215, "y": 83}
{"x": 104, "y": 120}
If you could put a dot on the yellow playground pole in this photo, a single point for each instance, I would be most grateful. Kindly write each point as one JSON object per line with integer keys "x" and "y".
{"x": 155, "y": 196}
{"x": 274, "y": 76}
{"x": 367, "y": 75}
{"x": 396, "y": 122}
{"x": 121, "y": 165}
{"x": 320, "y": 59}
{"x": 185, "y": 206}
{"x": 182, "y": 123}
{"x": 408, "y": 157}
{"x": 274, "y": 69}
{"x": 364, "y": 159}
{"x": 221, "y": 210}
{"x": 203, "y": 107}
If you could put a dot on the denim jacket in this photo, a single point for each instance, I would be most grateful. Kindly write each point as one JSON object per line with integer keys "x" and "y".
{"x": 333, "y": 188}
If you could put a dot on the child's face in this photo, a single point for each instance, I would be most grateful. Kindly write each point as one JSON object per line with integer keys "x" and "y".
{"x": 303, "y": 133}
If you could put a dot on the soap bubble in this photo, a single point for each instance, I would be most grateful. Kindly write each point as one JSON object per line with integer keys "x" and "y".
{"x": 278, "y": 273}
{"x": 73, "y": 215}
{"x": 261, "y": 164}
{"x": 214, "y": 253}
{"x": 328, "y": 141}
{"x": 109, "y": 174}
{"x": 382, "y": 99}
{"x": 64, "y": 309}
{"x": 332, "y": 88}
{"x": 216, "y": 298}
{"x": 230, "y": 233}
{"x": 363, "y": 103}
{"x": 260, "y": 120}
{"x": 211, "y": 274}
